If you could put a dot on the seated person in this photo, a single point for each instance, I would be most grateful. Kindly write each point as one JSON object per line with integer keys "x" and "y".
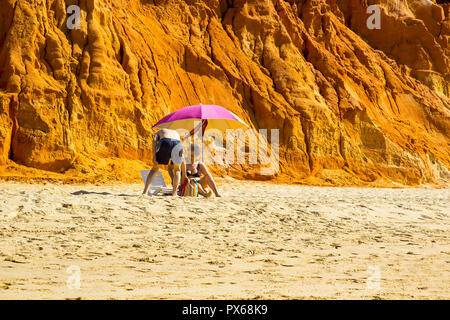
{"x": 167, "y": 150}
{"x": 197, "y": 170}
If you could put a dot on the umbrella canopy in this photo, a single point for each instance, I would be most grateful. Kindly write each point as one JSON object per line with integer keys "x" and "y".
{"x": 210, "y": 116}
{"x": 216, "y": 116}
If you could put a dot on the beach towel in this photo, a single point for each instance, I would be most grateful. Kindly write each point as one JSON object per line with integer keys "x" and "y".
{"x": 188, "y": 189}
{"x": 158, "y": 184}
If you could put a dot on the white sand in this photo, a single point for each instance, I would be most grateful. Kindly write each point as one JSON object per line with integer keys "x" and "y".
{"x": 259, "y": 241}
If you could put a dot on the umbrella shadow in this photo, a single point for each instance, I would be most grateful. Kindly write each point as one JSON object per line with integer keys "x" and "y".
{"x": 84, "y": 192}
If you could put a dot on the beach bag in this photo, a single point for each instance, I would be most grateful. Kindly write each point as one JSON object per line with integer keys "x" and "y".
{"x": 188, "y": 189}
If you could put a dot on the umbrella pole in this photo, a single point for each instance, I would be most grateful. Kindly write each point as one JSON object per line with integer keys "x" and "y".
{"x": 203, "y": 147}
{"x": 204, "y": 125}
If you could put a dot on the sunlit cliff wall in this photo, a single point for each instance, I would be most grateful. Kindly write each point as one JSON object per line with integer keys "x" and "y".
{"x": 352, "y": 104}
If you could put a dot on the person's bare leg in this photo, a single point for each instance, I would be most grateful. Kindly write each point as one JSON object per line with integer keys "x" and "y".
{"x": 170, "y": 171}
{"x": 202, "y": 191}
{"x": 176, "y": 180}
{"x": 204, "y": 182}
{"x": 208, "y": 180}
{"x": 150, "y": 177}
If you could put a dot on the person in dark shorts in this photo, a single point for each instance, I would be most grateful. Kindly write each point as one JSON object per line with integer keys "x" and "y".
{"x": 167, "y": 150}
{"x": 164, "y": 149}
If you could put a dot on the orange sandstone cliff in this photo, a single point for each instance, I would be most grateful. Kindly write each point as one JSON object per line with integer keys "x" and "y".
{"x": 354, "y": 105}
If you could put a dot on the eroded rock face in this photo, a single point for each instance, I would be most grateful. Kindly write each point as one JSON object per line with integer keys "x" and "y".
{"x": 352, "y": 104}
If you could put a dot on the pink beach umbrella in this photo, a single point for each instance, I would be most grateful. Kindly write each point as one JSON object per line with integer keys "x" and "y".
{"x": 211, "y": 117}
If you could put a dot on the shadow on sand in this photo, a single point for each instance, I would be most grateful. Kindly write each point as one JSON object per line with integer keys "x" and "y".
{"x": 84, "y": 192}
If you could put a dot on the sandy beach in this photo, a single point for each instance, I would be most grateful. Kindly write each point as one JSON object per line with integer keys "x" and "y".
{"x": 260, "y": 241}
